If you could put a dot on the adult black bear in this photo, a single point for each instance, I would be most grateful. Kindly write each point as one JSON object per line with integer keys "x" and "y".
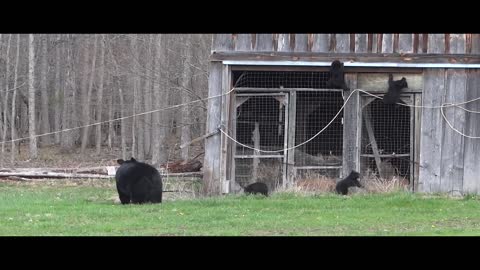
{"x": 350, "y": 181}
{"x": 255, "y": 188}
{"x": 394, "y": 90}
{"x": 337, "y": 79}
{"x": 138, "y": 182}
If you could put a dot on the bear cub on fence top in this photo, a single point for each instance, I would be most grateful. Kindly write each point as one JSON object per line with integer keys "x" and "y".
{"x": 138, "y": 182}
{"x": 255, "y": 188}
{"x": 337, "y": 76}
{"x": 394, "y": 90}
{"x": 350, "y": 181}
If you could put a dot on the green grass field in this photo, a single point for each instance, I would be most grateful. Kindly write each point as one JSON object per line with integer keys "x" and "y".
{"x": 86, "y": 210}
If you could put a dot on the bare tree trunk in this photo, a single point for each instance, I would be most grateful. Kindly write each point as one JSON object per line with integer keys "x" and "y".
{"x": 68, "y": 99}
{"x": 5, "y": 103}
{"x": 147, "y": 123}
{"x": 1, "y": 91}
{"x": 110, "y": 116}
{"x": 160, "y": 95}
{"x": 100, "y": 96}
{"x": 87, "y": 98}
{"x": 58, "y": 89}
{"x": 133, "y": 42}
{"x": 122, "y": 125}
{"x": 44, "y": 118}
{"x": 31, "y": 97}
{"x": 186, "y": 86}
{"x": 14, "y": 98}
{"x": 137, "y": 127}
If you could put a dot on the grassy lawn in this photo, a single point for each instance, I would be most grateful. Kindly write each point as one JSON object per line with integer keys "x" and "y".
{"x": 88, "y": 210}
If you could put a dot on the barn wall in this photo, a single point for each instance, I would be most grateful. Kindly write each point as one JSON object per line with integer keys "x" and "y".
{"x": 349, "y": 43}
{"x": 448, "y": 160}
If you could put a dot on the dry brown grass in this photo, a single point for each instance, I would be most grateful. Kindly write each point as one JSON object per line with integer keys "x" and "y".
{"x": 375, "y": 184}
{"x": 319, "y": 184}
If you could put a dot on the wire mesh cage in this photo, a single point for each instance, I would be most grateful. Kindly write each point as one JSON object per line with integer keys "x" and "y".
{"x": 386, "y": 141}
{"x": 314, "y": 111}
{"x": 261, "y": 121}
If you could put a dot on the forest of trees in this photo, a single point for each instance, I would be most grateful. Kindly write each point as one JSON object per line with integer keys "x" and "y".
{"x": 58, "y": 82}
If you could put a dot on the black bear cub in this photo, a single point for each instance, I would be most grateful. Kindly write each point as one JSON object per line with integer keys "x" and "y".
{"x": 138, "y": 182}
{"x": 350, "y": 181}
{"x": 337, "y": 79}
{"x": 394, "y": 90}
{"x": 255, "y": 188}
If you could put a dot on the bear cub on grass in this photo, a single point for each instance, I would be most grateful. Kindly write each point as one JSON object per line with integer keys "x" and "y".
{"x": 350, "y": 181}
{"x": 255, "y": 188}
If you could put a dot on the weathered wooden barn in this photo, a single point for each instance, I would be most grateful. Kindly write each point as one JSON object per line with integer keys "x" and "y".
{"x": 280, "y": 102}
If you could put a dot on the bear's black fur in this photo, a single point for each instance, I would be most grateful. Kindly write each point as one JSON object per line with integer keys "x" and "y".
{"x": 138, "y": 182}
{"x": 337, "y": 79}
{"x": 394, "y": 90}
{"x": 255, "y": 188}
{"x": 350, "y": 181}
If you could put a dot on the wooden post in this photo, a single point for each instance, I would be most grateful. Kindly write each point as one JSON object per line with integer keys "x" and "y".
{"x": 290, "y": 159}
{"x": 351, "y": 128}
{"x": 211, "y": 164}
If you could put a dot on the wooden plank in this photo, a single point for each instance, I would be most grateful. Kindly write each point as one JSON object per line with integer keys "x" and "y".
{"x": 370, "y": 42}
{"x": 351, "y": 128}
{"x": 457, "y": 43}
{"x": 333, "y": 42}
{"x": 468, "y": 43}
{"x": 431, "y": 131}
{"x": 321, "y": 42}
{"x": 226, "y": 86}
{"x": 309, "y": 42}
{"x": 256, "y": 153}
{"x": 292, "y": 108}
{"x": 379, "y": 43}
{"x": 453, "y": 163}
{"x": 475, "y": 43}
{"x": 387, "y": 43}
{"x": 416, "y": 43}
{"x": 424, "y": 43}
{"x": 352, "y": 43}
{"x": 211, "y": 164}
{"x": 384, "y": 155}
{"x": 342, "y": 44}
{"x": 222, "y": 42}
{"x": 326, "y": 68}
{"x": 416, "y": 150}
{"x": 348, "y": 57}
{"x": 264, "y": 42}
{"x": 197, "y": 139}
{"x": 373, "y": 141}
{"x": 436, "y": 43}
{"x": 395, "y": 43}
{"x": 283, "y": 43}
{"x": 284, "y": 102}
{"x": 361, "y": 43}
{"x": 471, "y": 172}
{"x": 374, "y": 43}
{"x": 405, "y": 43}
{"x": 378, "y": 82}
{"x": 451, "y": 172}
{"x": 55, "y": 175}
{"x": 301, "y": 43}
{"x": 243, "y": 42}
{"x": 447, "y": 43}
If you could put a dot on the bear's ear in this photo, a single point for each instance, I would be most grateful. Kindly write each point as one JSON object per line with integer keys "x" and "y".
{"x": 120, "y": 161}
{"x": 132, "y": 160}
